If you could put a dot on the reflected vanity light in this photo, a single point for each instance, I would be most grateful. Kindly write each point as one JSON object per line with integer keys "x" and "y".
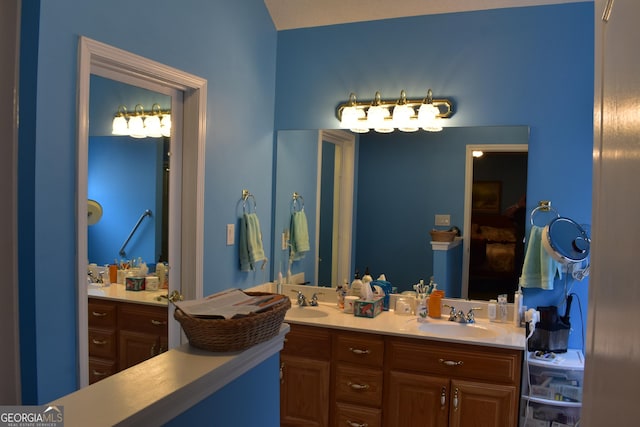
{"x": 383, "y": 116}
{"x": 139, "y": 124}
{"x": 477, "y": 153}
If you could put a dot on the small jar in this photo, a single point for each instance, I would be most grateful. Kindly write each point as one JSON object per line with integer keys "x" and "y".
{"x": 492, "y": 310}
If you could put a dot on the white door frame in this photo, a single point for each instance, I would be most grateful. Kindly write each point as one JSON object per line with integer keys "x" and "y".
{"x": 186, "y": 212}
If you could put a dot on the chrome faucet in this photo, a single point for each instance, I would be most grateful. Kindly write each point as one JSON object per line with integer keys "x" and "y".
{"x": 302, "y": 300}
{"x": 314, "y": 299}
{"x": 460, "y": 317}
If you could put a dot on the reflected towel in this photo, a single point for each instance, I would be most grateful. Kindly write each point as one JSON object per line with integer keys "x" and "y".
{"x": 539, "y": 269}
{"x": 250, "y": 244}
{"x": 298, "y": 235}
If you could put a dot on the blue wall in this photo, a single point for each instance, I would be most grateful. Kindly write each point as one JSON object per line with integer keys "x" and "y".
{"x": 297, "y": 171}
{"x": 232, "y": 45}
{"x": 499, "y": 67}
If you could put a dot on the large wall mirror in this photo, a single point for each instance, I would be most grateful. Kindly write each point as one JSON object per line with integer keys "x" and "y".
{"x": 165, "y": 175}
{"x": 402, "y": 181}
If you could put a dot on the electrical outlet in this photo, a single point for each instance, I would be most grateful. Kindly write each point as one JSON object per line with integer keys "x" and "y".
{"x": 231, "y": 232}
{"x": 285, "y": 239}
{"x": 443, "y": 220}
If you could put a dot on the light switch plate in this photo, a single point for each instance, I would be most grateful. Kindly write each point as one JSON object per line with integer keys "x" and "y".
{"x": 231, "y": 231}
{"x": 443, "y": 220}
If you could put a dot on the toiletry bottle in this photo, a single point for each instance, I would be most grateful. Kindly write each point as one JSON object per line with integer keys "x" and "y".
{"x": 356, "y": 285}
{"x": 502, "y": 308}
{"x": 492, "y": 309}
{"x": 517, "y": 307}
{"x": 340, "y": 290}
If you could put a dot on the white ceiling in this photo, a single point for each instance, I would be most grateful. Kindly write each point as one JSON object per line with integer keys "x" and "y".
{"x": 288, "y": 14}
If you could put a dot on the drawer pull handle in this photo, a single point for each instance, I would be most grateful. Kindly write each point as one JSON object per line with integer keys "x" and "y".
{"x": 443, "y": 397}
{"x": 359, "y": 351}
{"x": 356, "y": 386}
{"x": 158, "y": 322}
{"x": 99, "y": 342}
{"x": 152, "y": 351}
{"x": 100, "y": 374}
{"x": 451, "y": 362}
{"x": 355, "y": 424}
{"x": 98, "y": 314}
{"x": 455, "y": 400}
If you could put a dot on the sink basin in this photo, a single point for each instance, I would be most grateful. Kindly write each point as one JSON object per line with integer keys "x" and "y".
{"x": 457, "y": 330}
{"x": 305, "y": 313}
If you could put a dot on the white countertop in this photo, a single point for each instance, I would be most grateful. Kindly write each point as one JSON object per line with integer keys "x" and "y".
{"x": 157, "y": 390}
{"x": 505, "y": 335}
{"x": 116, "y": 291}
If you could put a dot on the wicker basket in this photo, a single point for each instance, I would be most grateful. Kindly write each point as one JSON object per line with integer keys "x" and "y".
{"x": 443, "y": 236}
{"x": 234, "y": 334}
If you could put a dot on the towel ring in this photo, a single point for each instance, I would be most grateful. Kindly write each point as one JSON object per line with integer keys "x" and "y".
{"x": 543, "y": 206}
{"x": 299, "y": 201}
{"x": 245, "y": 196}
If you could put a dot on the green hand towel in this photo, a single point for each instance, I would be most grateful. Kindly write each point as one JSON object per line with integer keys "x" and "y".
{"x": 299, "y": 235}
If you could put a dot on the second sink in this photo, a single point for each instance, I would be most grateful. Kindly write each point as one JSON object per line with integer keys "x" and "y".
{"x": 305, "y": 312}
{"x": 458, "y": 330}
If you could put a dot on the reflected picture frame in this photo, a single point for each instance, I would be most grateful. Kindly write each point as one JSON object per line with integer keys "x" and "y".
{"x": 485, "y": 197}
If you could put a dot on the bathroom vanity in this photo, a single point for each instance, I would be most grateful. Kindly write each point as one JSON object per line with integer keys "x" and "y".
{"x": 337, "y": 369}
{"x": 125, "y": 328}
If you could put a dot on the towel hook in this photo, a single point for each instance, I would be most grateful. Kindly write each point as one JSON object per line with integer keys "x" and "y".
{"x": 543, "y": 206}
{"x": 245, "y": 196}
{"x": 297, "y": 198}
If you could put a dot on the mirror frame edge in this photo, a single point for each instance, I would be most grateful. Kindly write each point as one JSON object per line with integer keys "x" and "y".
{"x": 90, "y": 53}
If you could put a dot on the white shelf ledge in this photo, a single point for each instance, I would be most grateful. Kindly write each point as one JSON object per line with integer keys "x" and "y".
{"x": 445, "y": 246}
{"x": 157, "y": 390}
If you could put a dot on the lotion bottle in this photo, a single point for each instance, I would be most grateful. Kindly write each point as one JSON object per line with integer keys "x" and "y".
{"x": 517, "y": 307}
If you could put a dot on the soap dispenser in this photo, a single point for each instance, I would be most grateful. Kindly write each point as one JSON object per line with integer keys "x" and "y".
{"x": 356, "y": 285}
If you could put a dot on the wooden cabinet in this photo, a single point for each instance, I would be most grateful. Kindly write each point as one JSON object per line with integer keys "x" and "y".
{"x": 122, "y": 334}
{"x": 373, "y": 380}
{"x": 439, "y": 384}
{"x": 305, "y": 377}
{"x": 142, "y": 333}
{"x": 357, "y": 364}
{"x": 103, "y": 342}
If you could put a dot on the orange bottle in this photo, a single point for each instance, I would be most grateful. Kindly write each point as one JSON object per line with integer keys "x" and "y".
{"x": 435, "y": 304}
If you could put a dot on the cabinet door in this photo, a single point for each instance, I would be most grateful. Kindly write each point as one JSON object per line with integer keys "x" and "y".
{"x": 304, "y": 392}
{"x": 483, "y": 405}
{"x": 136, "y": 347}
{"x": 416, "y": 400}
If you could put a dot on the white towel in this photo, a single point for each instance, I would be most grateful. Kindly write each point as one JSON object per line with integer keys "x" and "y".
{"x": 539, "y": 269}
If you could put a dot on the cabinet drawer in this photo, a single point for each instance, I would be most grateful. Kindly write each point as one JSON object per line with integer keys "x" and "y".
{"x": 308, "y": 341}
{"x": 102, "y": 313}
{"x": 357, "y": 416}
{"x": 358, "y": 385}
{"x": 100, "y": 369}
{"x": 143, "y": 318}
{"x": 496, "y": 365}
{"x": 359, "y": 348}
{"x": 102, "y": 343}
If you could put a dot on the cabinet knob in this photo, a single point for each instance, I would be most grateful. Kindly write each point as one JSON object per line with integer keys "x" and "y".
{"x": 451, "y": 362}
{"x": 359, "y": 351}
{"x": 455, "y": 400}
{"x": 356, "y": 386}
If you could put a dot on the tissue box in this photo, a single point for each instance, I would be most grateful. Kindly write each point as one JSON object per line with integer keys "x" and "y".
{"x": 134, "y": 283}
{"x": 368, "y": 308}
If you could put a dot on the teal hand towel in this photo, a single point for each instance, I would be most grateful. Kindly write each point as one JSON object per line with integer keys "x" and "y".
{"x": 250, "y": 244}
{"x": 539, "y": 269}
{"x": 298, "y": 235}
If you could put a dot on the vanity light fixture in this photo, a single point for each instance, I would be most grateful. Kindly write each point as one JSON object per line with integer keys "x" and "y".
{"x": 139, "y": 124}
{"x": 407, "y": 115}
